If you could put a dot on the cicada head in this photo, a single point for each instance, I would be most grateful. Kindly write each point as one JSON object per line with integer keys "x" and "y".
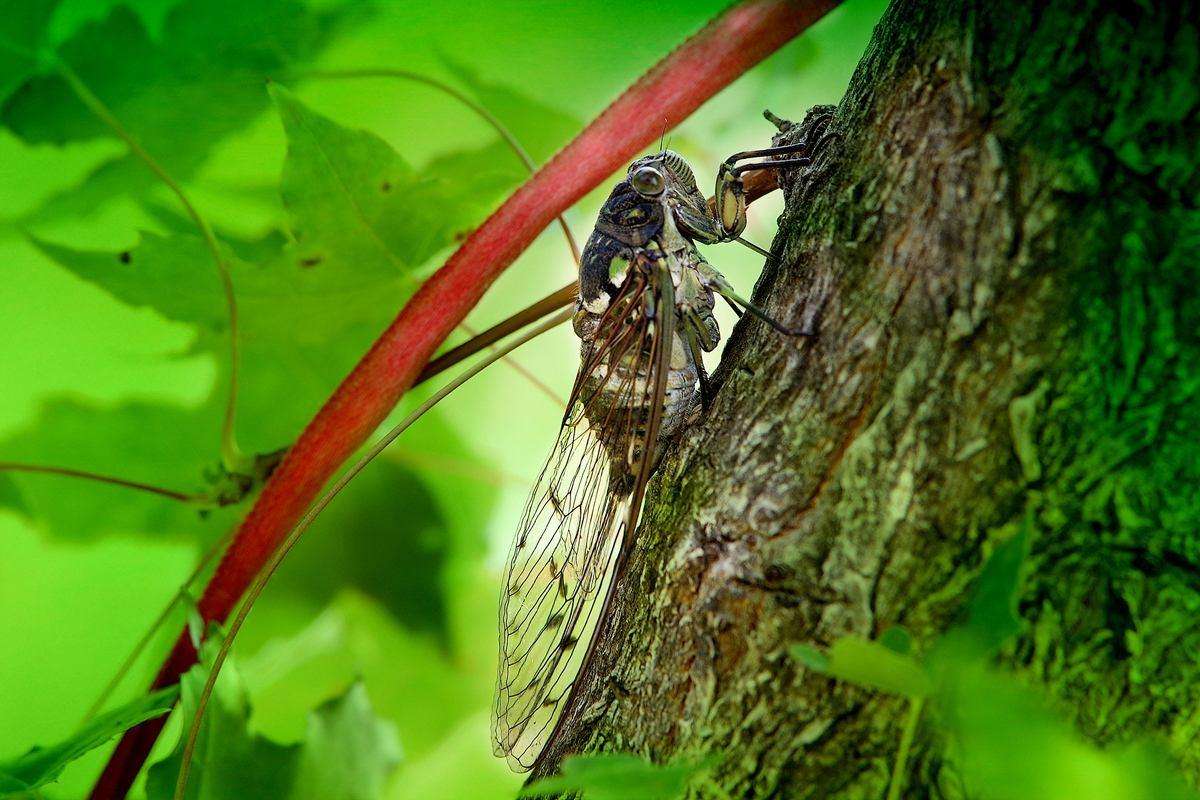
{"x": 663, "y": 174}
{"x": 629, "y": 222}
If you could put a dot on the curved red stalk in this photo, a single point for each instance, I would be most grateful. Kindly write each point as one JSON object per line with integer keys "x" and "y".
{"x": 662, "y": 98}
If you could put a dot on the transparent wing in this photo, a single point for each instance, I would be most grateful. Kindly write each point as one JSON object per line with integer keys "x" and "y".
{"x": 561, "y": 565}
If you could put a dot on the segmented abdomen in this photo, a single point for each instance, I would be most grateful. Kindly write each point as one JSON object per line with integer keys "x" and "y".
{"x": 620, "y": 416}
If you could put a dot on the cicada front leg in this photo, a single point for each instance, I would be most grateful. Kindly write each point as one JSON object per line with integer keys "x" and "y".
{"x": 730, "y": 194}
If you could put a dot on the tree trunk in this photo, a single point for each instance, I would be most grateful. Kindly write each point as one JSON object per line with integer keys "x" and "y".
{"x": 997, "y": 242}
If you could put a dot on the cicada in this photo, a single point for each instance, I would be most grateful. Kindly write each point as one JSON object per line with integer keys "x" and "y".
{"x": 644, "y": 315}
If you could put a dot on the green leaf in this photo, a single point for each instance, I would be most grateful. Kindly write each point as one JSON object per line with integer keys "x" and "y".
{"x": 868, "y": 663}
{"x": 1011, "y": 745}
{"x": 11, "y": 497}
{"x": 179, "y": 93}
{"x": 385, "y": 537}
{"x": 43, "y": 765}
{"x": 71, "y": 15}
{"x": 897, "y": 639}
{"x": 810, "y": 657}
{"x": 992, "y": 612}
{"x": 617, "y": 776}
{"x": 176, "y": 276}
{"x": 22, "y": 31}
{"x": 301, "y": 329}
{"x": 355, "y": 204}
{"x": 346, "y": 755}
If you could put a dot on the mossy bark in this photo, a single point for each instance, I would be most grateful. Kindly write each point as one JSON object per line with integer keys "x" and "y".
{"x": 998, "y": 242}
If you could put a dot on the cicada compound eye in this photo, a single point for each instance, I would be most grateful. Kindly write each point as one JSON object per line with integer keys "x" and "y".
{"x": 647, "y": 181}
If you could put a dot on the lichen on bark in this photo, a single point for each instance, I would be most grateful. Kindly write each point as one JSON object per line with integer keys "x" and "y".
{"x": 998, "y": 241}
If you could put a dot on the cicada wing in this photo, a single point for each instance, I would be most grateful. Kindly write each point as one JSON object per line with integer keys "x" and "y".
{"x": 558, "y": 570}
{"x": 574, "y": 526}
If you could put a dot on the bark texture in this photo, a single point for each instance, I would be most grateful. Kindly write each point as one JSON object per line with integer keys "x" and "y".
{"x": 998, "y": 243}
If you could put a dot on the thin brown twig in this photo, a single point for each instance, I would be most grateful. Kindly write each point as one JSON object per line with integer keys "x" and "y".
{"x": 547, "y": 305}
{"x": 96, "y": 477}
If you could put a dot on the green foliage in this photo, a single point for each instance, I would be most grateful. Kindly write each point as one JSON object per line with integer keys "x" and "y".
{"x": 868, "y": 663}
{"x": 21, "y": 34}
{"x": 992, "y": 612}
{"x": 356, "y": 207}
{"x": 43, "y": 765}
{"x": 1005, "y": 742}
{"x": 617, "y": 776}
{"x": 1012, "y": 746}
{"x": 540, "y": 128}
{"x": 403, "y": 569}
{"x": 178, "y": 93}
{"x": 347, "y": 752}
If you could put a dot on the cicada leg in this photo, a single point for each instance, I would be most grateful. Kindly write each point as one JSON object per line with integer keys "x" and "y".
{"x": 693, "y": 346}
{"x": 719, "y": 284}
{"x": 730, "y": 194}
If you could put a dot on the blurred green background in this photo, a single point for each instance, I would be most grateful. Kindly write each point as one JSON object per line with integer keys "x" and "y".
{"x": 397, "y": 584}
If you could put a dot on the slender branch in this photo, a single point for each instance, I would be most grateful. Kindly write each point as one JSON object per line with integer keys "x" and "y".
{"x": 230, "y": 453}
{"x": 675, "y": 87}
{"x": 547, "y": 305}
{"x": 96, "y": 477}
{"x": 283, "y": 548}
{"x": 896, "y": 784}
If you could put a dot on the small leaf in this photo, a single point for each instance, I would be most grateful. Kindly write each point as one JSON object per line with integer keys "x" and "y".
{"x": 992, "y": 612}
{"x": 868, "y": 663}
{"x": 617, "y": 776}
{"x": 44, "y": 764}
{"x": 195, "y": 622}
{"x": 348, "y": 752}
{"x": 897, "y": 639}
{"x": 346, "y": 755}
{"x": 810, "y": 657}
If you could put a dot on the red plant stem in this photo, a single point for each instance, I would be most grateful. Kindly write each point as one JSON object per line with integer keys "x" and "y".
{"x": 662, "y": 98}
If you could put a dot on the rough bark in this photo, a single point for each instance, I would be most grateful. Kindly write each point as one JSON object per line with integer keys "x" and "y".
{"x": 998, "y": 241}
